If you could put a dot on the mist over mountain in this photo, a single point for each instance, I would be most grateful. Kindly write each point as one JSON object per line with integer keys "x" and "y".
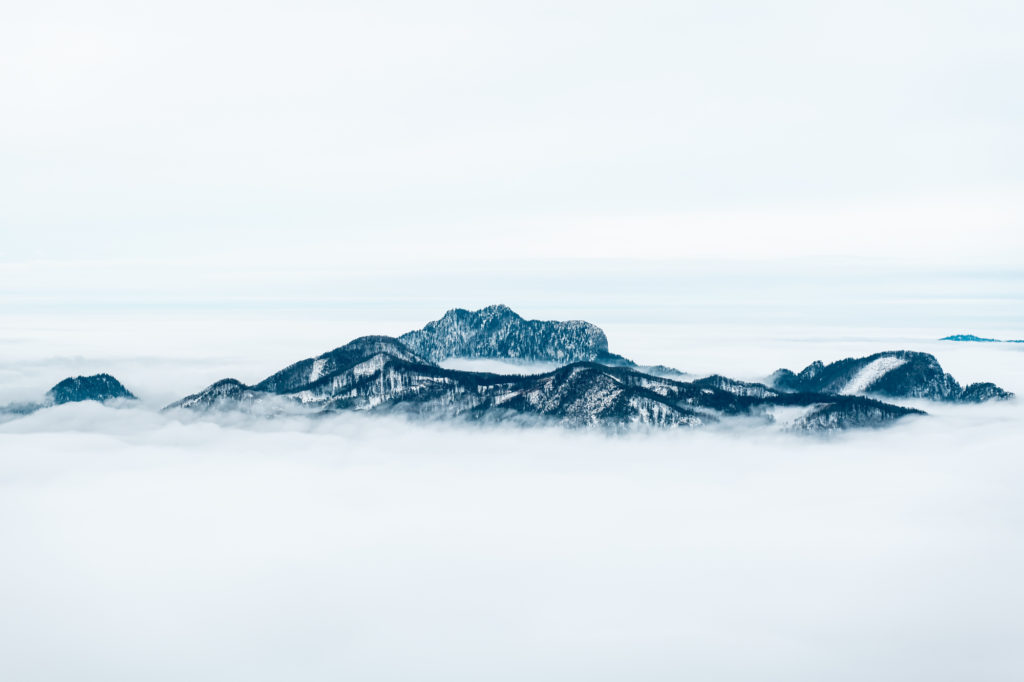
{"x": 98, "y": 387}
{"x": 590, "y": 388}
{"x": 382, "y": 374}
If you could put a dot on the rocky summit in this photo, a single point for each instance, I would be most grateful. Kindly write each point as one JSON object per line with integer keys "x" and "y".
{"x": 498, "y": 332}
{"x": 592, "y": 387}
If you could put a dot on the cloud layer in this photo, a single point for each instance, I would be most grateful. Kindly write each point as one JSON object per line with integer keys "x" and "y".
{"x": 138, "y": 546}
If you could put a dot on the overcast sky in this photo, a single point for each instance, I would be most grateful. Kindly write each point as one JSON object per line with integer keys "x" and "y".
{"x": 343, "y": 135}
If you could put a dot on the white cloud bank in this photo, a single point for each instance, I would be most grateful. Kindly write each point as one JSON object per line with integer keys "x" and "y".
{"x": 136, "y": 546}
{"x": 139, "y": 547}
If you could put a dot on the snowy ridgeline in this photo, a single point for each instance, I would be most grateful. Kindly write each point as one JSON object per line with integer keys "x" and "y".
{"x": 592, "y": 387}
{"x": 378, "y": 373}
{"x": 893, "y": 374}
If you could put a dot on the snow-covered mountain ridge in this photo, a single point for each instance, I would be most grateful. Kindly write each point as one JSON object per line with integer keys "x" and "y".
{"x": 380, "y": 374}
{"x": 591, "y": 387}
{"x": 498, "y": 332}
{"x": 894, "y": 374}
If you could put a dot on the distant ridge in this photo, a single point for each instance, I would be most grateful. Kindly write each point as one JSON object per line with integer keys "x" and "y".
{"x": 98, "y": 387}
{"x": 591, "y": 387}
{"x": 381, "y": 374}
{"x": 978, "y": 339}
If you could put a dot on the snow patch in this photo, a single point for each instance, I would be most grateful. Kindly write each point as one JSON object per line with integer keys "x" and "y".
{"x": 370, "y": 366}
{"x": 317, "y": 370}
{"x": 872, "y": 372}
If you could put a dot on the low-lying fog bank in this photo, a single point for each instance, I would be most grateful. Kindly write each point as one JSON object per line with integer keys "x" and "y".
{"x": 140, "y": 547}
{"x": 137, "y": 546}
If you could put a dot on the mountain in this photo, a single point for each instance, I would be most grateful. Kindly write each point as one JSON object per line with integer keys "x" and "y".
{"x": 226, "y": 392}
{"x": 743, "y": 388}
{"x": 498, "y": 332}
{"x": 978, "y": 339}
{"x": 896, "y": 374}
{"x": 833, "y": 416}
{"x": 98, "y": 387}
{"x": 362, "y": 349}
{"x": 967, "y": 337}
{"x": 382, "y": 374}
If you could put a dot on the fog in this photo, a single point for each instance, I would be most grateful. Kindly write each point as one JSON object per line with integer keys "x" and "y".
{"x": 139, "y": 547}
{"x": 157, "y": 546}
{"x": 201, "y": 190}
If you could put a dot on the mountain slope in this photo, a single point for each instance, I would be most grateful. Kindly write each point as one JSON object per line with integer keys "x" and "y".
{"x": 382, "y": 374}
{"x": 98, "y": 387}
{"x": 897, "y": 374}
{"x": 308, "y": 371}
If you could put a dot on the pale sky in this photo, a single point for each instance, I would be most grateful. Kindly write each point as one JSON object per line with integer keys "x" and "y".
{"x": 213, "y": 135}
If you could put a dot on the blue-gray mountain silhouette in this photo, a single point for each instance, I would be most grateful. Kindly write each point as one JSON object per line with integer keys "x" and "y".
{"x": 498, "y": 332}
{"x": 895, "y": 374}
{"x": 382, "y": 374}
{"x": 978, "y": 339}
{"x": 98, "y": 387}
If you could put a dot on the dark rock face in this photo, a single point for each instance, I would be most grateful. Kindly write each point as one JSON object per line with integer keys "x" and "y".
{"x": 382, "y": 374}
{"x": 99, "y": 387}
{"x": 498, "y": 332}
{"x": 897, "y": 374}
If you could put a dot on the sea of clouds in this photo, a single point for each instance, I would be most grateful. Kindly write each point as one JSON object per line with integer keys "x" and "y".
{"x": 158, "y": 546}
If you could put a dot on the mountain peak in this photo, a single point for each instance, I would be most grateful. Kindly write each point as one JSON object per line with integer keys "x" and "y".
{"x": 498, "y": 308}
{"x": 498, "y": 332}
{"x": 100, "y": 387}
{"x": 322, "y": 367}
{"x": 894, "y": 373}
